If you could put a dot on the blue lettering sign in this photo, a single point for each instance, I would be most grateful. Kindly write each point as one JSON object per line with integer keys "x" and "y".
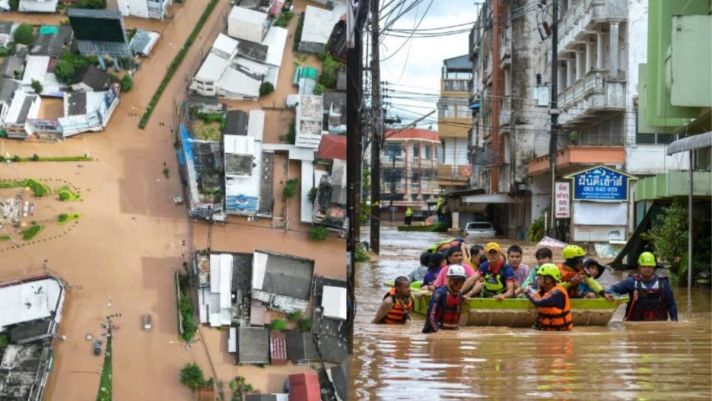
{"x": 600, "y": 183}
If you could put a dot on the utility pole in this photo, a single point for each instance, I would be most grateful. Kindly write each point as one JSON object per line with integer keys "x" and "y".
{"x": 354, "y": 135}
{"x": 375, "y": 131}
{"x": 554, "y": 111}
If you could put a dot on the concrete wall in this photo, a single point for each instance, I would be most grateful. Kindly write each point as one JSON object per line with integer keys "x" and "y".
{"x": 651, "y": 159}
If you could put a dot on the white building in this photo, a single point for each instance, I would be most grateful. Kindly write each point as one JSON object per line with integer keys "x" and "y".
{"x": 246, "y": 24}
{"x": 155, "y": 9}
{"x": 37, "y": 6}
{"x": 318, "y": 25}
{"x": 35, "y": 70}
{"x": 309, "y": 120}
{"x": 24, "y": 106}
{"x": 243, "y": 167}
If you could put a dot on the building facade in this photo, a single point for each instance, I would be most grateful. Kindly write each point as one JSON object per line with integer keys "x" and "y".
{"x": 409, "y": 166}
{"x": 454, "y": 123}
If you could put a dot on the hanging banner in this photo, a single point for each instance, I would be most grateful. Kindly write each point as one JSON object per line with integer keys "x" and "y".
{"x": 562, "y": 201}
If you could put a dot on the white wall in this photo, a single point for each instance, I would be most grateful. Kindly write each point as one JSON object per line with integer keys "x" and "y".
{"x": 138, "y": 8}
{"x": 651, "y": 159}
{"x": 541, "y": 195}
{"x": 455, "y": 151}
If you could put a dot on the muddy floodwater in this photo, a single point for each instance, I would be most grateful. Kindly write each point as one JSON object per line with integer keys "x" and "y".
{"x": 644, "y": 361}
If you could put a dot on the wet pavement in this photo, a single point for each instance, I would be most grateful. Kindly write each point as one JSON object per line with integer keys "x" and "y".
{"x": 634, "y": 361}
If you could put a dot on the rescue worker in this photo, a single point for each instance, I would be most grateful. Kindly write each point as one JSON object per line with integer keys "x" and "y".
{"x": 408, "y": 216}
{"x": 551, "y": 300}
{"x": 397, "y": 304}
{"x": 573, "y": 273}
{"x": 445, "y": 304}
{"x": 439, "y": 209}
{"x": 497, "y": 277}
{"x": 650, "y": 294}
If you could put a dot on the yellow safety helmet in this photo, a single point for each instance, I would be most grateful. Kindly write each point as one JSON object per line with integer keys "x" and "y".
{"x": 647, "y": 259}
{"x": 549, "y": 269}
{"x": 573, "y": 251}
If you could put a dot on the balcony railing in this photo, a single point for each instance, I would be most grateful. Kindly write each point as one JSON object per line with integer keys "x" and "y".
{"x": 456, "y": 85}
{"x": 583, "y": 14}
{"x": 592, "y": 92}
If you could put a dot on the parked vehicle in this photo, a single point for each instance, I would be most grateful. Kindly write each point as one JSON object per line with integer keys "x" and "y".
{"x": 97, "y": 347}
{"x": 177, "y": 199}
{"x": 479, "y": 229}
{"x": 147, "y": 322}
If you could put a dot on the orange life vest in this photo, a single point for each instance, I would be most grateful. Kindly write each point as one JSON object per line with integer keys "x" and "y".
{"x": 551, "y": 318}
{"x": 400, "y": 312}
{"x": 567, "y": 274}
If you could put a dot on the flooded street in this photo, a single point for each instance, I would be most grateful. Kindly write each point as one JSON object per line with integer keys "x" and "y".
{"x": 645, "y": 361}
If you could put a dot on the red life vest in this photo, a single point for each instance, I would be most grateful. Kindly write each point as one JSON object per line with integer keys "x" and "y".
{"x": 400, "y": 312}
{"x": 551, "y": 318}
{"x": 647, "y": 303}
{"x": 448, "y": 312}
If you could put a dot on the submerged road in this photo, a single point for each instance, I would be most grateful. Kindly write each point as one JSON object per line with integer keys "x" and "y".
{"x": 644, "y": 361}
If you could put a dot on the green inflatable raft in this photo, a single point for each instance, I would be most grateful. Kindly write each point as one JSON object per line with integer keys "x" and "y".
{"x": 519, "y": 312}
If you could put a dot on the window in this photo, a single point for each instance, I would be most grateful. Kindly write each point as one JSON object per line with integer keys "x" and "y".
{"x": 652, "y": 139}
{"x": 428, "y": 152}
{"x": 416, "y": 150}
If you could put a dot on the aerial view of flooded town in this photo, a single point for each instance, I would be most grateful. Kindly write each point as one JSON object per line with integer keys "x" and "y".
{"x": 172, "y": 203}
{"x": 331, "y": 200}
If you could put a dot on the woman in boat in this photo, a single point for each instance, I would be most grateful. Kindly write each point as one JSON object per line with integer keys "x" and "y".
{"x": 572, "y": 273}
{"x": 651, "y": 297}
{"x": 397, "y": 304}
{"x": 551, "y": 299}
{"x": 445, "y": 305}
{"x": 497, "y": 276}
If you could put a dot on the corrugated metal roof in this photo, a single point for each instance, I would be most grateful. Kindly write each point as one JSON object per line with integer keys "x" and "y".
{"x": 458, "y": 63}
{"x": 278, "y": 348}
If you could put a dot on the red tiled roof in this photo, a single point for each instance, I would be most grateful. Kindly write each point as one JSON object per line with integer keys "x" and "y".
{"x": 332, "y": 147}
{"x": 304, "y": 387}
{"x": 413, "y": 133}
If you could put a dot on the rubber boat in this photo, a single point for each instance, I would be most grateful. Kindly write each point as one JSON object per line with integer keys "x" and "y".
{"x": 519, "y": 312}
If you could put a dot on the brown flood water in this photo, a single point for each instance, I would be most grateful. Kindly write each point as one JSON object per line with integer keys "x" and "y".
{"x": 646, "y": 361}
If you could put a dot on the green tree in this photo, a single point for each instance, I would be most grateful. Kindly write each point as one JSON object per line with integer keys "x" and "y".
{"x": 312, "y": 194}
{"x": 278, "y": 324}
{"x": 126, "y": 83}
{"x": 290, "y": 188}
{"x": 319, "y": 89}
{"x": 318, "y": 233}
{"x": 64, "y": 70}
{"x": 191, "y": 376}
{"x": 24, "y": 34}
{"x": 669, "y": 237}
{"x": 266, "y": 88}
{"x": 93, "y": 4}
{"x": 37, "y": 86}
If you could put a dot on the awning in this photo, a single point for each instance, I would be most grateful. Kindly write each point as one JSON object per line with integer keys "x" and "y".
{"x": 491, "y": 198}
{"x": 690, "y": 143}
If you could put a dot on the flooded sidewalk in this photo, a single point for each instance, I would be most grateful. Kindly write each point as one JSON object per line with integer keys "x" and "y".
{"x": 643, "y": 361}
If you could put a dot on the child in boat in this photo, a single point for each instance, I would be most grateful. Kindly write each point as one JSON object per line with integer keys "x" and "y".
{"x": 445, "y": 305}
{"x": 593, "y": 269}
{"x": 542, "y": 255}
{"x": 397, "y": 304}
{"x": 436, "y": 263}
{"x": 419, "y": 272}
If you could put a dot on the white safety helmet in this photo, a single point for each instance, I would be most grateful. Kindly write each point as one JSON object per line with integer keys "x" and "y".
{"x": 456, "y": 271}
